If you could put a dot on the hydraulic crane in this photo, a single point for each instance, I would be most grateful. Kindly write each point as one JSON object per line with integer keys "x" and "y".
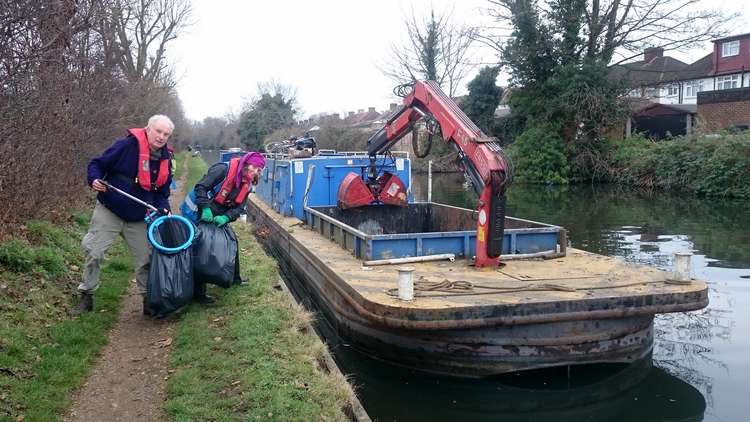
{"x": 482, "y": 159}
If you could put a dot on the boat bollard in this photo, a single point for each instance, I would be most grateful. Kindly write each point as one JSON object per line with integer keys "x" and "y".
{"x": 681, "y": 272}
{"x": 405, "y": 283}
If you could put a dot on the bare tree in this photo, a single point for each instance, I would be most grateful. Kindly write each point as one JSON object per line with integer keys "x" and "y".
{"x": 64, "y": 96}
{"x": 619, "y": 30}
{"x": 138, "y": 32}
{"x": 437, "y": 49}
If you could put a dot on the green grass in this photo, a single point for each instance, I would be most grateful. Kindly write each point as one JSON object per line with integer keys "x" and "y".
{"x": 178, "y": 168}
{"x": 196, "y": 168}
{"x": 249, "y": 357}
{"x": 44, "y": 353}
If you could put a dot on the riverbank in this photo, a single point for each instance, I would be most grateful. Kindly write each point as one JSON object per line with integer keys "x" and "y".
{"x": 716, "y": 165}
{"x": 712, "y": 165}
{"x": 248, "y": 357}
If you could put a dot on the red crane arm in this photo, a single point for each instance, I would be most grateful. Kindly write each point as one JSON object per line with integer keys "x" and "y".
{"x": 482, "y": 155}
{"x": 483, "y": 160}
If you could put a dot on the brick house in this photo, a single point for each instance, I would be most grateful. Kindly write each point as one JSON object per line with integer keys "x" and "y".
{"x": 713, "y": 92}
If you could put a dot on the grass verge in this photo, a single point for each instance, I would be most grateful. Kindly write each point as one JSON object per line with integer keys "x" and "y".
{"x": 250, "y": 356}
{"x": 44, "y": 353}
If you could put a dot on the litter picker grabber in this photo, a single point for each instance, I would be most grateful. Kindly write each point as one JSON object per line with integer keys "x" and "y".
{"x": 157, "y": 217}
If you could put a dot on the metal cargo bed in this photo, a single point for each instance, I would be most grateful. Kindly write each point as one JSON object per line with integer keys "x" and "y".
{"x": 426, "y": 228}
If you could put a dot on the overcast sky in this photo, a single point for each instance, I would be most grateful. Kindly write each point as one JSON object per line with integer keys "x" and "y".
{"x": 328, "y": 50}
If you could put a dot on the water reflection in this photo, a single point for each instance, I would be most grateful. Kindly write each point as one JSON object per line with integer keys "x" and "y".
{"x": 636, "y": 392}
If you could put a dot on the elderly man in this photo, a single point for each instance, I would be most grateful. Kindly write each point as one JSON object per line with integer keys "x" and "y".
{"x": 139, "y": 164}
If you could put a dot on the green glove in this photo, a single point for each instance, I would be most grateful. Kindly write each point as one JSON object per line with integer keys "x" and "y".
{"x": 221, "y": 220}
{"x": 206, "y": 215}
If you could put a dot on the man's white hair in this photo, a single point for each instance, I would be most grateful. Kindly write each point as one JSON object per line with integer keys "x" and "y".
{"x": 157, "y": 117}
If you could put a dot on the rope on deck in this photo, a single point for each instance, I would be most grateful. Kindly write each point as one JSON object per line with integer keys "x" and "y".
{"x": 467, "y": 288}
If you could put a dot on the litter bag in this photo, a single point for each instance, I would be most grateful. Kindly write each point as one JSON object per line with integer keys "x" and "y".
{"x": 214, "y": 252}
{"x": 170, "y": 278}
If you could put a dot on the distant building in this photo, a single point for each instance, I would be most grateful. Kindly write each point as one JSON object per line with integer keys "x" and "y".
{"x": 713, "y": 91}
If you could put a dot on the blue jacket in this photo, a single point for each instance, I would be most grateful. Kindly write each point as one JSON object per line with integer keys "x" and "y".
{"x": 118, "y": 165}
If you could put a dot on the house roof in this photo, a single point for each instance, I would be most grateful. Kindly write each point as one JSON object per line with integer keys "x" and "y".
{"x": 699, "y": 69}
{"x": 642, "y": 106}
{"x": 732, "y": 37}
{"x": 655, "y": 71}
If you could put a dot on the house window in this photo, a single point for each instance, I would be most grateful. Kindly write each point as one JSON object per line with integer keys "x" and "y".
{"x": 692, "y": 88}
{"x": 727, "y": 82}
{"x": 673, "y": 90}
{"x": 730, "y": 48}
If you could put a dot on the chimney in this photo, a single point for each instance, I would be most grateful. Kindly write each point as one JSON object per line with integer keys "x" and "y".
{"x": 371, "y": 109}
{"x": 652, "y": 53}
{"x": 392, "y": 106}
{"x": 360, "y": 111}
{"x": 350, "y": 114}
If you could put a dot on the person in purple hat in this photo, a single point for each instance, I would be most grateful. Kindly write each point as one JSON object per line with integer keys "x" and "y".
{"x": 220, "y": 198}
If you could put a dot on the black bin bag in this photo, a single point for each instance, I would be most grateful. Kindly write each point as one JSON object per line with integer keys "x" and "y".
{"x": 214, "y": 253}
{"x": 170, "y": 278}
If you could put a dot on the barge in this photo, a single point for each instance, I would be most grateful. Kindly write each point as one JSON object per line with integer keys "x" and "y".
{"x": 558, "y": 306}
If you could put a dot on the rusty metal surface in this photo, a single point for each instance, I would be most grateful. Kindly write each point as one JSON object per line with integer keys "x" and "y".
{"x": 597, "y": 310}
{"x": 585, "y": 284}
{"x": 418, "y": 217}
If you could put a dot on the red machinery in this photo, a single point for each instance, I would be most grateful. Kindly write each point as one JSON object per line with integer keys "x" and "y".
{"x": 483, "y": 161}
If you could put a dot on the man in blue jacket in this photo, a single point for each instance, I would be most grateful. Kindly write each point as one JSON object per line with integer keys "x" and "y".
{"x": 139, "y": 164}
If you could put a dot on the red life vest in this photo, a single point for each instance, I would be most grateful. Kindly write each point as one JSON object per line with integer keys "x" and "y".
{"x": 143, "y": 178}
{"x": 228, "y": 185}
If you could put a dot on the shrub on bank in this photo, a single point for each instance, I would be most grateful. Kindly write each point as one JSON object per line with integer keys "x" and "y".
{"x": 712, "y": 165}
{"x": 538, "y": 156}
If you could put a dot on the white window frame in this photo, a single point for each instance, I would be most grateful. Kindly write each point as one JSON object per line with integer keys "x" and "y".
{"x": 730, "y": 48}
{"x": 692, "y": 88}
{"x": 673, "y": 90}
{"x": 651, "y": 92}
{"x": 727, "y": 82}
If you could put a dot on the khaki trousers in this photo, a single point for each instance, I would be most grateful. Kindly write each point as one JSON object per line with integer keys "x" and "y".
{"x": 103, "y": 231}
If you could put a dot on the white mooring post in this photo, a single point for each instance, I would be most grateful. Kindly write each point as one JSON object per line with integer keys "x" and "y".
{"x": 405, "y": 283}
{"x": 429, "y": 181}
{"x": 682, "y": 266}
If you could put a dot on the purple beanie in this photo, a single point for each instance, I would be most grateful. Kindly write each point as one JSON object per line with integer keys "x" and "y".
{"x": 252, "y": 158}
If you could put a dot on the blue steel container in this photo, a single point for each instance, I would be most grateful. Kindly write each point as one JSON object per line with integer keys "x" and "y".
{"x": 227, "y": 154}
{"x": 283, "y": 182}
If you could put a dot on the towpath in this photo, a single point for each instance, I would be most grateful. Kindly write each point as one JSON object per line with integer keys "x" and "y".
{"x": 128, "y": 381}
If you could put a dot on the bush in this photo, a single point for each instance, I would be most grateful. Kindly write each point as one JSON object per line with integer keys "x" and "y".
{"x": 713, "y": 166}
{"x": 539, "y": 156}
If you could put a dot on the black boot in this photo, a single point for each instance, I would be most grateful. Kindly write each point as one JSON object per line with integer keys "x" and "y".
{"x": 147, "y": 309}
{"x": 200, "y": 296}
{"x": 85, "y": 305}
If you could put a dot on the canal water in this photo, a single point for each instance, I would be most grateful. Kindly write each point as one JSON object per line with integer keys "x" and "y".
{"x": 701, "y": 365}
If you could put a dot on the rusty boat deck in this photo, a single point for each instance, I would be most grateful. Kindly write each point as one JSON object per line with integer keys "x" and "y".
{"x": 577, "y": 309}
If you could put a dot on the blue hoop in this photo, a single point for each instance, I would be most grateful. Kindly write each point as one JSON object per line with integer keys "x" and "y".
{"x": 161, "y": 220}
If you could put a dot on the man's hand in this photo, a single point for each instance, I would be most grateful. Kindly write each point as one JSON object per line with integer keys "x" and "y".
{"x": 206, "y": 215}
{"x": 221, "y": 220}
{"x": 98, "y": 186}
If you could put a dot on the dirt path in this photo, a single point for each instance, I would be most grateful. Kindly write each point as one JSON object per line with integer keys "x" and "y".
{"x": 127, "y": 383}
